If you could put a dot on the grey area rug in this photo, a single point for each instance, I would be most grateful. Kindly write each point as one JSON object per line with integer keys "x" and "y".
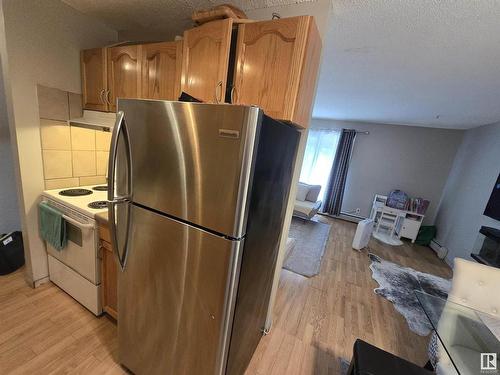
{"x": 397, "y": 284}
{"x": 306, "y": 245}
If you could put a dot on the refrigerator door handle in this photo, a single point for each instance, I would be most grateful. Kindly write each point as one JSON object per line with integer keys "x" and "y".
{"x": 112, "y": 156}
{"x": 117, "y": 130}
{"x": 113, "y": 200}
{"x": 122, "y": 258}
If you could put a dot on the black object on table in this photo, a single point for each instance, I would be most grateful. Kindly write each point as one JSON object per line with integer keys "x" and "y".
{"x": 370, "y": 360}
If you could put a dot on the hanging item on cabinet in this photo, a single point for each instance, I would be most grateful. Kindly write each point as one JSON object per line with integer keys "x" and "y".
{"x": 219, "y": 12}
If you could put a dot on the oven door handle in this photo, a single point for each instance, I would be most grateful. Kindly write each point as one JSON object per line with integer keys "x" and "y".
{"x": 77, "y": 223}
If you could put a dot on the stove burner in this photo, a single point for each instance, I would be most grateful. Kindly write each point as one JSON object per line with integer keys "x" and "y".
{"x": 100, "y": 188}
{"x": 75, "y": 192}
{"x": 97, "y": 205}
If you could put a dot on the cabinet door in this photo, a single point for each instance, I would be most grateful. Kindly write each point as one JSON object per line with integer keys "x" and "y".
{"x": 94, "y": 79}
{"x": 161, "y": 70}
{"x": 124, "y": 73}
{"x": 410, "y": 228}
{"x": 205, "y": 58}
{"x": 276, "y": 67}
{"x": 109, "y": 280}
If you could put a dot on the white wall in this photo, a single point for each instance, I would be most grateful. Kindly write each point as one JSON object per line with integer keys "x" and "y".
{"x": 9, "y": 209}
{"x": 416, "y": 160}
{"x": 467, "y": 191}
{"x": 42, "y": 44}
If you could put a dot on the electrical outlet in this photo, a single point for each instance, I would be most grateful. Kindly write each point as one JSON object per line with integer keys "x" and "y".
{"x": 358, "y": 210}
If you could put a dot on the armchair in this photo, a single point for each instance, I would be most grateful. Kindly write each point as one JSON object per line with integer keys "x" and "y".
{"x": 306, "y": 203}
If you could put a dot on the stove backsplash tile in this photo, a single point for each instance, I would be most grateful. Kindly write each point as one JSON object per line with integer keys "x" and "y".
{"x": 92, "y": 180}
{"x": 82, "y": 139}
{"x": 57, "y": 164}
{"x": 60, "y": 183}
{"x": 102, "y": 162}
{"x": 53, "y": 104}
{"x": 56, "y": 135}
{"x": 83, "y": 152}
{"x": 102, "y": 141}
{"x": 84, "y": 163}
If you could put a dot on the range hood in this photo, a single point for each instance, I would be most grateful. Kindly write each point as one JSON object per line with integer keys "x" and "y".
{"x": 95, "y": 120}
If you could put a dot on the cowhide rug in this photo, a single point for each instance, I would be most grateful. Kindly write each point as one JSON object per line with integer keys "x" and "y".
{"x": 397, "y": 284}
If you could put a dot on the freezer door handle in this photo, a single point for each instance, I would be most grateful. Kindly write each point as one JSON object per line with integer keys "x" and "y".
{"x": 119, "y": 128}
{"x": 114, "y": 200}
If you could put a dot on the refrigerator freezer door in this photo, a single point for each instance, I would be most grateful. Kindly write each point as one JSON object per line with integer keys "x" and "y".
{"x": 174, "y": 300}
{"x": 192, "y": 161}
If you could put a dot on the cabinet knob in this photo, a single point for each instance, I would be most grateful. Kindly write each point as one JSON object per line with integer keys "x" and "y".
{"x": 101, "y": 96}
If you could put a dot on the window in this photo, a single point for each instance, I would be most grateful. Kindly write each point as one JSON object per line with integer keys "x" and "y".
{"x": 318, "y": 158}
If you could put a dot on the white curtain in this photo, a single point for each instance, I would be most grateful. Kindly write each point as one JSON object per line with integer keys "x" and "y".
{"x": 318, "y": 158}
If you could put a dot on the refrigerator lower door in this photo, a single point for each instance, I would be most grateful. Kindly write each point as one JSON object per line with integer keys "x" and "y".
{"x": 175, "y": 297}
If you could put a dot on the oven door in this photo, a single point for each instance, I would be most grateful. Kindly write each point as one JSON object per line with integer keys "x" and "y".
{"x": 80, "y": 254}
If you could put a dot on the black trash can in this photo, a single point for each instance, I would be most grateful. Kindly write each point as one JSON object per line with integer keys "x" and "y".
{"x": 11, "y": 252}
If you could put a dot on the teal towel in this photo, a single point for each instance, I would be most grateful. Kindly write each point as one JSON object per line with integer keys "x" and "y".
{"x": 52, "y": 226}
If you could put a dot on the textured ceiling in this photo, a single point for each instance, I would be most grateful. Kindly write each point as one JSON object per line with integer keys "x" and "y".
{"x": 425, "y": 62}
{"x": 163, "y": 17}
{"x": 415, "y": 62}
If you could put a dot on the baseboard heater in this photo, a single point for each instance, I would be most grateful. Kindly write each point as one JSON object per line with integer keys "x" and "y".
{"x": 441, "y": 251}
{"x": 345, "y": 216}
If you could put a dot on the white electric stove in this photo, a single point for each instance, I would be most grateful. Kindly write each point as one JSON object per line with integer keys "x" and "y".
{"x": 80, "y": 202}
{"x": 75, "y": 269}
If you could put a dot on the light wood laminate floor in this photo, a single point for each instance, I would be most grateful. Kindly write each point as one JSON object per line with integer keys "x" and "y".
{"x": 44, "y": 331}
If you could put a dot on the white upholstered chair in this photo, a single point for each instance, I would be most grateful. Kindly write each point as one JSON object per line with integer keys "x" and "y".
{"x": 306, "y": 201}
{"x": 476, "y": 286}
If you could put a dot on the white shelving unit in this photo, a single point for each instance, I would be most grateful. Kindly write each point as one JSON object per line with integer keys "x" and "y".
{"x": 395, "y": 223}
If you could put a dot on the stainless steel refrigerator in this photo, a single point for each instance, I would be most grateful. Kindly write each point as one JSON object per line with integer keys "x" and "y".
{"x": 197, "y": 198}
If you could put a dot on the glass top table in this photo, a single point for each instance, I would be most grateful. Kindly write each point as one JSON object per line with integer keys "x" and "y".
{"x": 464, "y": 333}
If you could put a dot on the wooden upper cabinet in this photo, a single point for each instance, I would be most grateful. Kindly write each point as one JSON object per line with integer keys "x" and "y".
{"x": 124, "y": 73}
{"x": 276, "y": 67}
{"x": 94, "y": 79}
{"x": 205, "y": 58}
{"x": 161, "y": 70}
